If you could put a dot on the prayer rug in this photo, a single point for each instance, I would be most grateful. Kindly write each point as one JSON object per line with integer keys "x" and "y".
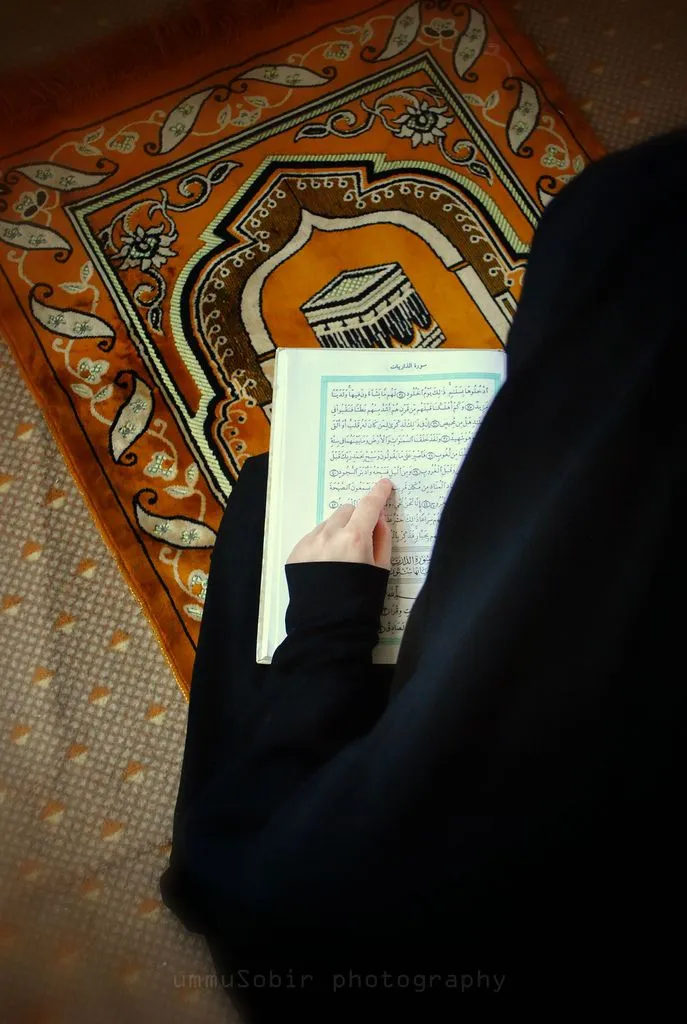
{"x": 339, "y": 174}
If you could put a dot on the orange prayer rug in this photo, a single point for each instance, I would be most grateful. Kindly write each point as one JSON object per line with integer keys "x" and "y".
{"x": 348, "y": 173}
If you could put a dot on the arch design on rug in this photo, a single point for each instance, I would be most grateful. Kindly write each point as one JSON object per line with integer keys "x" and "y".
{"x": 299, "y": 228}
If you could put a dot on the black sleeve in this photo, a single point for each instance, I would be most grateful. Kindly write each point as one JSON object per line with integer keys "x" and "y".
{"x": 321, "y": 693}
{"x": 321, "y": 699}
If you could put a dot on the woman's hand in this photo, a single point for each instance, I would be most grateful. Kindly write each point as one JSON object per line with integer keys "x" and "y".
{"x": 353, "y": 533}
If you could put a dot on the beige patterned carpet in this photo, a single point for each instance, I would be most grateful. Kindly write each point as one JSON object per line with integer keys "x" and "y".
{"x": 92, "y": 721}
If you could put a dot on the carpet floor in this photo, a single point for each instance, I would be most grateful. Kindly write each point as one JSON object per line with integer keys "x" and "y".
{"x": 92, "y": 719}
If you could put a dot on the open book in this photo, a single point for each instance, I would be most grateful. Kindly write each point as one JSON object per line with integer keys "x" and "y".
{"x": 341, "y": 419}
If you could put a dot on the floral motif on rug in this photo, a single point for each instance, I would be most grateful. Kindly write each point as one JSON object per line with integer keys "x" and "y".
{"x": 367, "y": 175}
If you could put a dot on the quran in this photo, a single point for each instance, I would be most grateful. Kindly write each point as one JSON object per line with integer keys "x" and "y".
{"x": 341, "y": 420}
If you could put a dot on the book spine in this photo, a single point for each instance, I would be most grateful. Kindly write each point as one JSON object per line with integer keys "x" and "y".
{"x": 268, "y": 585}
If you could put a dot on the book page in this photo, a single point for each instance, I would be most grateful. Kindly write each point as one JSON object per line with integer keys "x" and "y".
{"x": 345, "y": 418}
{"x": 416, "y": 431}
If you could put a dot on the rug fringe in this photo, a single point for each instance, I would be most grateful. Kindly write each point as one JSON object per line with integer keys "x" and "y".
{"x": 67, "y": 87}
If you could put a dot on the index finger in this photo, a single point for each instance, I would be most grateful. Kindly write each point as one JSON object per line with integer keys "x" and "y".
{"x": 366, "y": 512}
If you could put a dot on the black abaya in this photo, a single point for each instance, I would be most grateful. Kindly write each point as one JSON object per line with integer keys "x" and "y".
{"x": 506, "y": 799}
